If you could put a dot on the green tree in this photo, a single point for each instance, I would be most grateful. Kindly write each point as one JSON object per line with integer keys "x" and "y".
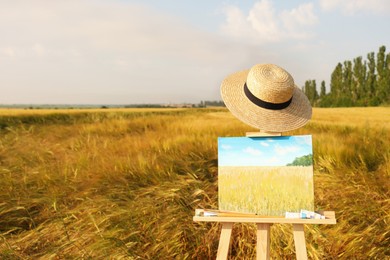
{"x": 387, "y": 76}
{"x": 382, "y": 79}
{"x": 371, "y": 80}
{"x": 359, "y": 81}
{"x": 323, "y": 89}
{"x": 347, "y": 77}
{"x": 305, "y": 160}
{"x": 314, "y": 91}
{"x": 310, "y": 90}
{"x": 336, "y": 84}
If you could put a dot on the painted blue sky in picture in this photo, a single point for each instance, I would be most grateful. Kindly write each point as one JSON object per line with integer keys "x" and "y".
{"x": 262, "y": 151}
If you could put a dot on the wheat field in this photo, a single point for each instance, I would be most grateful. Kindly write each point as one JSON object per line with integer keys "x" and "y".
{"x": 266, "y": 191}
{"x": 124, "y": 184}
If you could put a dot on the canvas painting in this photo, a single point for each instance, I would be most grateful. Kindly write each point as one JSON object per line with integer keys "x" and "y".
{"x": 265, "y": 175}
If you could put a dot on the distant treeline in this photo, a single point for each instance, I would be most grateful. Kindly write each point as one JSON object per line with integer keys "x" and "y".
{"x": 305, "y": 160}
{"x": 216, "y": 103}
{"x": 146, "y": 105}
{"x": 355, "y": 83}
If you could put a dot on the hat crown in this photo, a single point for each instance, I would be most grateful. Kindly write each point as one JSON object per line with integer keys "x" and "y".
{"x": 270, "y": 83}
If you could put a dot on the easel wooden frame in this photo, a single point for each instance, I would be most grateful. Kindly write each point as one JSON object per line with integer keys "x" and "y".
{"x": 263, "y": 231}
{"x": 263, "y": 226}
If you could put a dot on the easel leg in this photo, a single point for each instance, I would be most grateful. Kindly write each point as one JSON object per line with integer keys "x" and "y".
{"x": 224, "y": 240}
{"x": 299, "y": 240}
{"x": 263, "y": 241}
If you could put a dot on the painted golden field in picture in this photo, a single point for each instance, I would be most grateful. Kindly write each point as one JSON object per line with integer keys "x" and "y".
{"x": 265, "y": 175}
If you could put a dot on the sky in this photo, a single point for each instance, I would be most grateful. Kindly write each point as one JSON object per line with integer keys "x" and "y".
{"x": 264, "y": 151}
{"x": 170, "y": 51}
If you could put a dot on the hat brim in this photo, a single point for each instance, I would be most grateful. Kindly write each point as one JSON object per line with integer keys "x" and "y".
{"x": 297, "y": 114}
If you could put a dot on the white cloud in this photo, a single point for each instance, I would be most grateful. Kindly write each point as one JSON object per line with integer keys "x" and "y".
{"x": 299, "y": 17}
{"x": 353, "y": 6}
{"x": 263, "y": 21}
{"x": 252, "y": 151}
{"x": 286, "y": 149}
{"x": 226, "y": 147}
{"x": 265, "y": 144}
{"x": 236, "y": 22}
{"x": 265, "y": 24}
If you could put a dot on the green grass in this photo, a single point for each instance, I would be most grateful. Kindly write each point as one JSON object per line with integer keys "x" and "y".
{"x": 123, "y": 184}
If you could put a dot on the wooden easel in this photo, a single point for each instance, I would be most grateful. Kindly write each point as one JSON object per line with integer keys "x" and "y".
{"x": 263, "y": 231}
{"x": 263, "y": 226}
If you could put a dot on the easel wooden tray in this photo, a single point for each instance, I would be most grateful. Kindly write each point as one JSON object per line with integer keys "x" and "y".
{"x": 329, "y": 219}
{"x": 258, "y": 219}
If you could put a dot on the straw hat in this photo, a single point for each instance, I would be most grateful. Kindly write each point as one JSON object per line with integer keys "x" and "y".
{"x": 266, "y": 98}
